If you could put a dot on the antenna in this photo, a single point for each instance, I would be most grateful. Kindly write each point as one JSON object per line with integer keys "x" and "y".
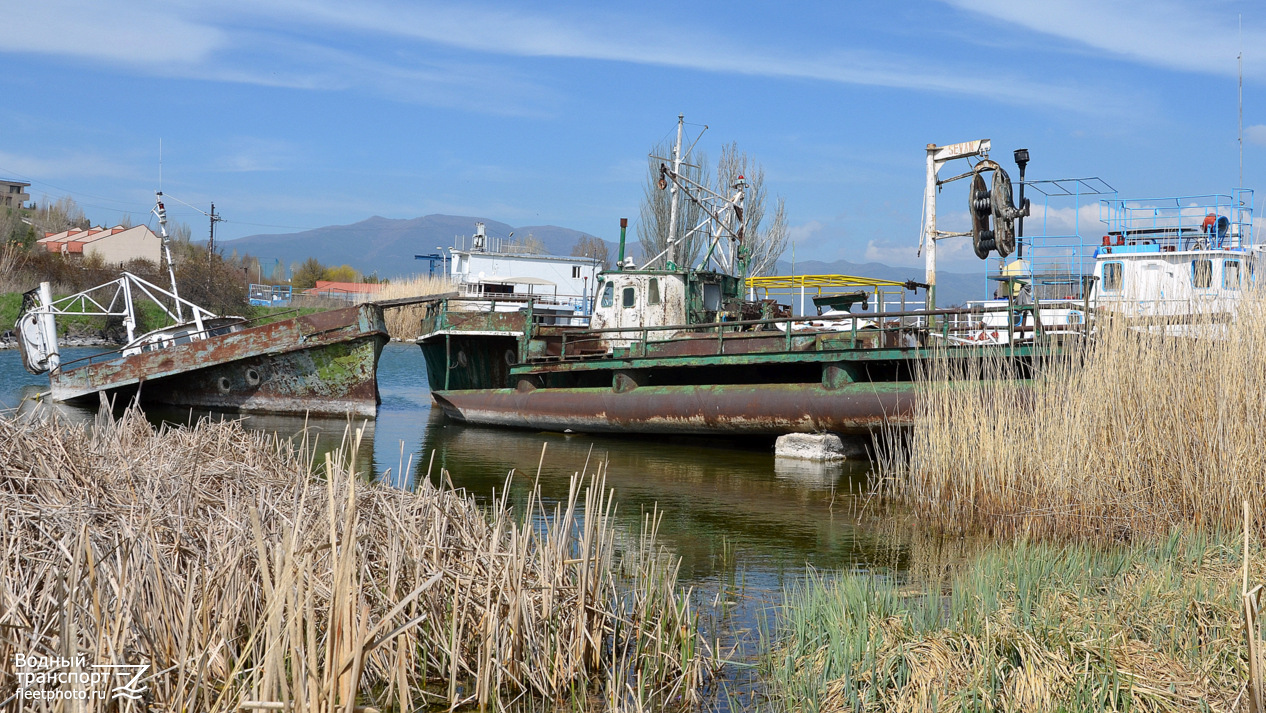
{"x": 160, "y": 164}
{"x": 1239, "y": 61}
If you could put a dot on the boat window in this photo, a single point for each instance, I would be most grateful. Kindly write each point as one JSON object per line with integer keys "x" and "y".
{"x": 652, "y": 292}
{"x": 712, "y": 297}
{"x": 1112, "y": 276}
{"x": 1231, "y": 275}
{"x": 1201, "y": 274}
{"x": 608, "y": 295}
{"x": 182, "y": 337}
{"x": 630, "y": 296}
{"x": 575, "y": 271}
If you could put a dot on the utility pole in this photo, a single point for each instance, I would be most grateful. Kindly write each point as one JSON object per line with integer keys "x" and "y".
{"x": 211, "y": 242}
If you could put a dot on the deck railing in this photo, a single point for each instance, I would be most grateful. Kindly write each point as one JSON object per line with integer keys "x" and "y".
{"x": 869, "y": 331}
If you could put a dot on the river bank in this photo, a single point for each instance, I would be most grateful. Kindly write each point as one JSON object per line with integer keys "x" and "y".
{"x": 1153, "y": 626}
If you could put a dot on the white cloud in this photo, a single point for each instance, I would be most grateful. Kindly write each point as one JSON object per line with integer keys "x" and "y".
{"x": 893, "y": 253}
{"x": 135, "y": 33}
{"x": 251, "y": 155}
{"x": 1190, "y": 36}
{"x": 1065, "y": 220}
{"x": 1255, "y": 134}
{"x": 953, "y": 254}
{"x": 805, "y": 232}
{"x": 66, "y": 165}
{"x": 208, "y": 43}
{"x": 513, "y": 32}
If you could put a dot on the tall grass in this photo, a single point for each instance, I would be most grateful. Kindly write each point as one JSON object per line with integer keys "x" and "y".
{"x": 1139, "y": 432}
{"x": 246, "y": 579}
{"x": 1023, "y": 627}
{"x": 403, "y": 322}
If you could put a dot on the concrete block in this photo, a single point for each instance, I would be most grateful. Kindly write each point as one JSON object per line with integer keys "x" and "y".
{"x": 810, "y": 446}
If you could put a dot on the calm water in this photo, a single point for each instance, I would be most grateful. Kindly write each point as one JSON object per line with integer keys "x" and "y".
{"x": 740, "y": 521}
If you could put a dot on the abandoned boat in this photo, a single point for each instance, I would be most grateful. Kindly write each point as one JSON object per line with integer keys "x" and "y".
{"x": 324, "y": 363}
{"x": 691, "y": 350}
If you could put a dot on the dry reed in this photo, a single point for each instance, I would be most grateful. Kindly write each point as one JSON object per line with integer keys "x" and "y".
{"x": 1137, "y": 433}
{"x": 403, "y": 322}
{"x": 242, "y": 579}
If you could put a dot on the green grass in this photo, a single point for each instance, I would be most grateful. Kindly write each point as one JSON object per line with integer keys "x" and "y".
{"x": 1147, "y": 627}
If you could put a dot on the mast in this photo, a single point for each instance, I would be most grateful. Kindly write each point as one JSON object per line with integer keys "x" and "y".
{"x": 1239, "y": 61}
{"x": 161, "y": 211}
{"x": 672, "y": 211}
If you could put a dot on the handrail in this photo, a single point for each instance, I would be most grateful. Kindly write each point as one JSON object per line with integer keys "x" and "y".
{"x": 205, "y": 332}
{"x": 703, "y": 326}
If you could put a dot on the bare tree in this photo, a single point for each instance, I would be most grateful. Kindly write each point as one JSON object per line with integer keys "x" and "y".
{"x": 652, "y": 226}
{"x": 59, "y": 215}
{"x": 765, "y": 241}
{"x": 592, "y": 247}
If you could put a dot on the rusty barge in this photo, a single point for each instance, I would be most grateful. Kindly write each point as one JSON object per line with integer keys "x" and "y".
{"x": 846, "y": 372}
{"x": 689, "y": 350}
{"x": 323, "y": 363}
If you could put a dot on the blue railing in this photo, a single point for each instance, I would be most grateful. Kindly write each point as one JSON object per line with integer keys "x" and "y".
{"x": 270, "y": 295}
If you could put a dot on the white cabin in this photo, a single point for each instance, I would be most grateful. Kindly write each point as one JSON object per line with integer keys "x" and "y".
{"x": 1151, "y": 279}
{"x": 494, "y": 272}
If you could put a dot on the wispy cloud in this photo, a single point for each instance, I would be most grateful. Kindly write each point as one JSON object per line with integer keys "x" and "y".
{"x": 209, "y": 43}
{"x": 67, "y": 165}
{"x": 805, "y": 232}
{"x": 1255, "y": 134}
{"x": 137, "y": 33}
{"x": 518, "y": 33}
{"x": 1190, "y": 36}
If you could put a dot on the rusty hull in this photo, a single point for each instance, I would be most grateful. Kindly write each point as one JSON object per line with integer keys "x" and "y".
{"x": 766, "y": 409}
{"x": 324, "y": 363}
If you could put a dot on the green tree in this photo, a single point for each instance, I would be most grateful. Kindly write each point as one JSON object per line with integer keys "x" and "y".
{"x": 342, "y": 273}
{"x": 307, "y": 273}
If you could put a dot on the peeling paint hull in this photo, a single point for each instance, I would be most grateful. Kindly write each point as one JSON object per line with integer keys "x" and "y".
{"x": 323, "y": 363}
{"x": 758, "y": 409}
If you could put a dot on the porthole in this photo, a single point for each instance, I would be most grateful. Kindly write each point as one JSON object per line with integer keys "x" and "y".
{"x": 511, "y": 357}
{"x": 252, "y": 377}
{"x": 223, "y": 384}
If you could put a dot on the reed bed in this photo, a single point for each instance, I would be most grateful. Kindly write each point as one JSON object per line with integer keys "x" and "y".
{"x": 403, "y": 322}
{"x": 1152, "y": 626}
{"x": 1137, "y": 433}
{"x": 243, "y": 578}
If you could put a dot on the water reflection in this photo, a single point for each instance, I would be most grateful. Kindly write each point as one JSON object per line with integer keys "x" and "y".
{"x": 725, "y": 503}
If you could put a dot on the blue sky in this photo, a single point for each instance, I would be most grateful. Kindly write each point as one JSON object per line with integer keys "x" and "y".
{"x": 293, "y": 115}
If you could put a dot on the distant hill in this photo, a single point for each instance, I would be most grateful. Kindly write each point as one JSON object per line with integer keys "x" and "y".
{"x": 386, "y": 246}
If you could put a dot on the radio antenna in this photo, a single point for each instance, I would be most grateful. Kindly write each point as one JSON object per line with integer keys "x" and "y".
{"x": 1239, "y": 61}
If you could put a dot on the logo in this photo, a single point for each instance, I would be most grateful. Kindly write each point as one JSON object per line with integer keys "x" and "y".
{"x": 54, "y": 678}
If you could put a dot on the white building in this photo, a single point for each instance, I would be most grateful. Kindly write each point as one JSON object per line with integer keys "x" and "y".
{"x": 563, "y": 279}
{"x": 116, "y": 245}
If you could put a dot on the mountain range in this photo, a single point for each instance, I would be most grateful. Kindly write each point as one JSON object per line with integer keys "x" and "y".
{"x": 387, "y": 246}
